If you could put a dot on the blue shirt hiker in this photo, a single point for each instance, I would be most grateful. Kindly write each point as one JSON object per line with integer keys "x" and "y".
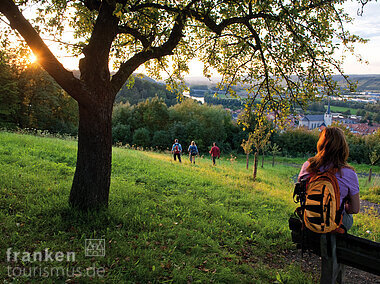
{"x": 193, "y": 151}
{"x": 177, "y": 150}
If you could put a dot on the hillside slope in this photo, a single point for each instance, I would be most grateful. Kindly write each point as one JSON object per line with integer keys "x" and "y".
{"x": 165, "y": 222}
{"x": 365, "y": 83}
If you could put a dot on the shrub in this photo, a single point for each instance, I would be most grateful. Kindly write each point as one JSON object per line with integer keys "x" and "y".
{"x": 161, "y": 139}
{"x": 298, "y": 142}
{"x": 121, "y": 133}
{"x": 141, "y": 137}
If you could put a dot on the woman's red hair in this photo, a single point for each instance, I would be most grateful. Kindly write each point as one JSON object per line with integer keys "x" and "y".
{"x": 332, "y": 150}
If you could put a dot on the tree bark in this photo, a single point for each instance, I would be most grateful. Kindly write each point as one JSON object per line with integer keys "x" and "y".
{"x": 255, "y": 166}
{"x": 262, "y": 160}
{"x": 247, "y": 160}
{"x": 90, "y": 188}
{"x": 370, "y": 174}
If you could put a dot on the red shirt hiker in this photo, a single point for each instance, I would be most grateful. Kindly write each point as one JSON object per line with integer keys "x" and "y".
{"x": 215, "y": 152}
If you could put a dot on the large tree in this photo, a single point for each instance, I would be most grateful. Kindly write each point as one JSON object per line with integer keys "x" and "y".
{"x": 281, "y": 51}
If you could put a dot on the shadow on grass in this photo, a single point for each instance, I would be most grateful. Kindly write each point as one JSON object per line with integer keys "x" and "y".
{"x": 68, "y": 218}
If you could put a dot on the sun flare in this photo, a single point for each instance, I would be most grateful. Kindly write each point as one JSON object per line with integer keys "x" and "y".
{"x": 32, "y": 58}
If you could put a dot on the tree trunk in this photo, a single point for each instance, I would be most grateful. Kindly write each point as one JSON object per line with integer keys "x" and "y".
{"x": 90, "y": 188}
{"x": 247, "y": 160}
{"x": 255, "y": 166}
{"x": 370, "y": 174}
{"x": 262, "y": 161}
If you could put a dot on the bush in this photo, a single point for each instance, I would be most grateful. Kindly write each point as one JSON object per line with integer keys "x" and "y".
{"x": 121, "y": 133}
{"x": 177, "y": 131}
{"x": 141, "y": 137}
{"x": 298, "y": 142}
{"x": 122, "y": 114}
{"x": 161, "y": 139}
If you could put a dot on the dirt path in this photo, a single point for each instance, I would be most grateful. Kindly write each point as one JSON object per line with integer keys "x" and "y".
{"x": 367, "y": 205}
{"x": 310, "y": 263}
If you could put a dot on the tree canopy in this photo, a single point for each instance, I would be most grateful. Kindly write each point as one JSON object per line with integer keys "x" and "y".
{"x": 30, "y": 98}
{"x": 281, "y": 51}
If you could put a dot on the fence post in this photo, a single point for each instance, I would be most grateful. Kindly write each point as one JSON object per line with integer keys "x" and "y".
{"x": 331, "y": 270}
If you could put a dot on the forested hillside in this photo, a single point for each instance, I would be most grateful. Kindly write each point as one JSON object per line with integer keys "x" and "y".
{"x": 365, "y": 83}
{"x": 30, "y": 98}
{"x": 139, "y": 88}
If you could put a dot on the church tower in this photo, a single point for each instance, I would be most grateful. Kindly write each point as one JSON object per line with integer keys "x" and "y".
{"x": 328, "y": 116}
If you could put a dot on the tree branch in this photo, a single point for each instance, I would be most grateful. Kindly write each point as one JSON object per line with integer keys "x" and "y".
{"x": 48, "y": 61}
{"x": 136, "y": 34}
{"x": 218, "y": 28}
{"x": 92, "y": 5}
{"x": 156, "y": 6}
{"x": 128, "y": 67}
{"x": 94, "y": 66}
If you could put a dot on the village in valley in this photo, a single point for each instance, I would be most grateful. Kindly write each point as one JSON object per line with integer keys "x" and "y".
{"x": 312, "y": 118}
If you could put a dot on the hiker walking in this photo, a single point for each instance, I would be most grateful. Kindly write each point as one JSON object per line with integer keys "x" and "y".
{"x": 177, "y": 150}
{"x": 193, "y": 151}
{"x": 215, "y": 153}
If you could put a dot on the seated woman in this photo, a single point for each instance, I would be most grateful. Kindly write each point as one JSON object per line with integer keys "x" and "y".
{"x": 333, "y": 153}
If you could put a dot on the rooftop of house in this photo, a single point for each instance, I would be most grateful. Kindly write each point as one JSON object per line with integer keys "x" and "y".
{"x": 363, "y": 128}
{"x": 313, "y": 117}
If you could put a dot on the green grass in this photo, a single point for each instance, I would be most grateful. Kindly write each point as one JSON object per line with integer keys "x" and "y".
{"x": 344, "y": 109}
{"x": 166, "y": 222}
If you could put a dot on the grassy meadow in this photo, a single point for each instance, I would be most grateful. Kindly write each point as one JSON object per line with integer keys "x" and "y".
{"x": 343, "y": 109}
{"x": 166, "y": 222}
{"x": 340, "y": 109}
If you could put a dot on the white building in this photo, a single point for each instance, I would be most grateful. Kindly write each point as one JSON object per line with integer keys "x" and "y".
{"x": 313, "y": 121}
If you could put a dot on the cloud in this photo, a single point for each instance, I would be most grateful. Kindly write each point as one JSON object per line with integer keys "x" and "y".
{"x": 366, "y": 26}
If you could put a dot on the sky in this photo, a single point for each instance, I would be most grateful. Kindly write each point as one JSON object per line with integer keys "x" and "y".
{"x": 367, "y": 26}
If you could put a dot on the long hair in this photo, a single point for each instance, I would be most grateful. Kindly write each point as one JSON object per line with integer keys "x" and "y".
{"x": 332, "y": 150}
{"x": 192, "y": 143}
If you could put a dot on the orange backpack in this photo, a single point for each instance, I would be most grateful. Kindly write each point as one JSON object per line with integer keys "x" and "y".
{"x": 322, "y": 210}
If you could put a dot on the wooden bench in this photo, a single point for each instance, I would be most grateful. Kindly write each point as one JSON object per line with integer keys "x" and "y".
{"x": 338, "y": 250}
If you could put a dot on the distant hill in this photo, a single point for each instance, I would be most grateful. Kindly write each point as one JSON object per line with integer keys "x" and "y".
{"x": 146, "y": 78}
{"x": 145, "y": 88}
{"x": 366, "y": 83}
{"x": 141, "y": 76}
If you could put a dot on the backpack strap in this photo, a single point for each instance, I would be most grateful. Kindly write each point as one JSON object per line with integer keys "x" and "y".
{"x": 339, "y": 213}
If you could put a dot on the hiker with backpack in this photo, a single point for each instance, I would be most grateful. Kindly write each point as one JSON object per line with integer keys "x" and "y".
{"x": 177, "y": 150}
{"x": 193, "y": 151}
{"x": 331, "y": 160}
{"x": 328, "y": 193}
{"x": 215, "y": 153}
